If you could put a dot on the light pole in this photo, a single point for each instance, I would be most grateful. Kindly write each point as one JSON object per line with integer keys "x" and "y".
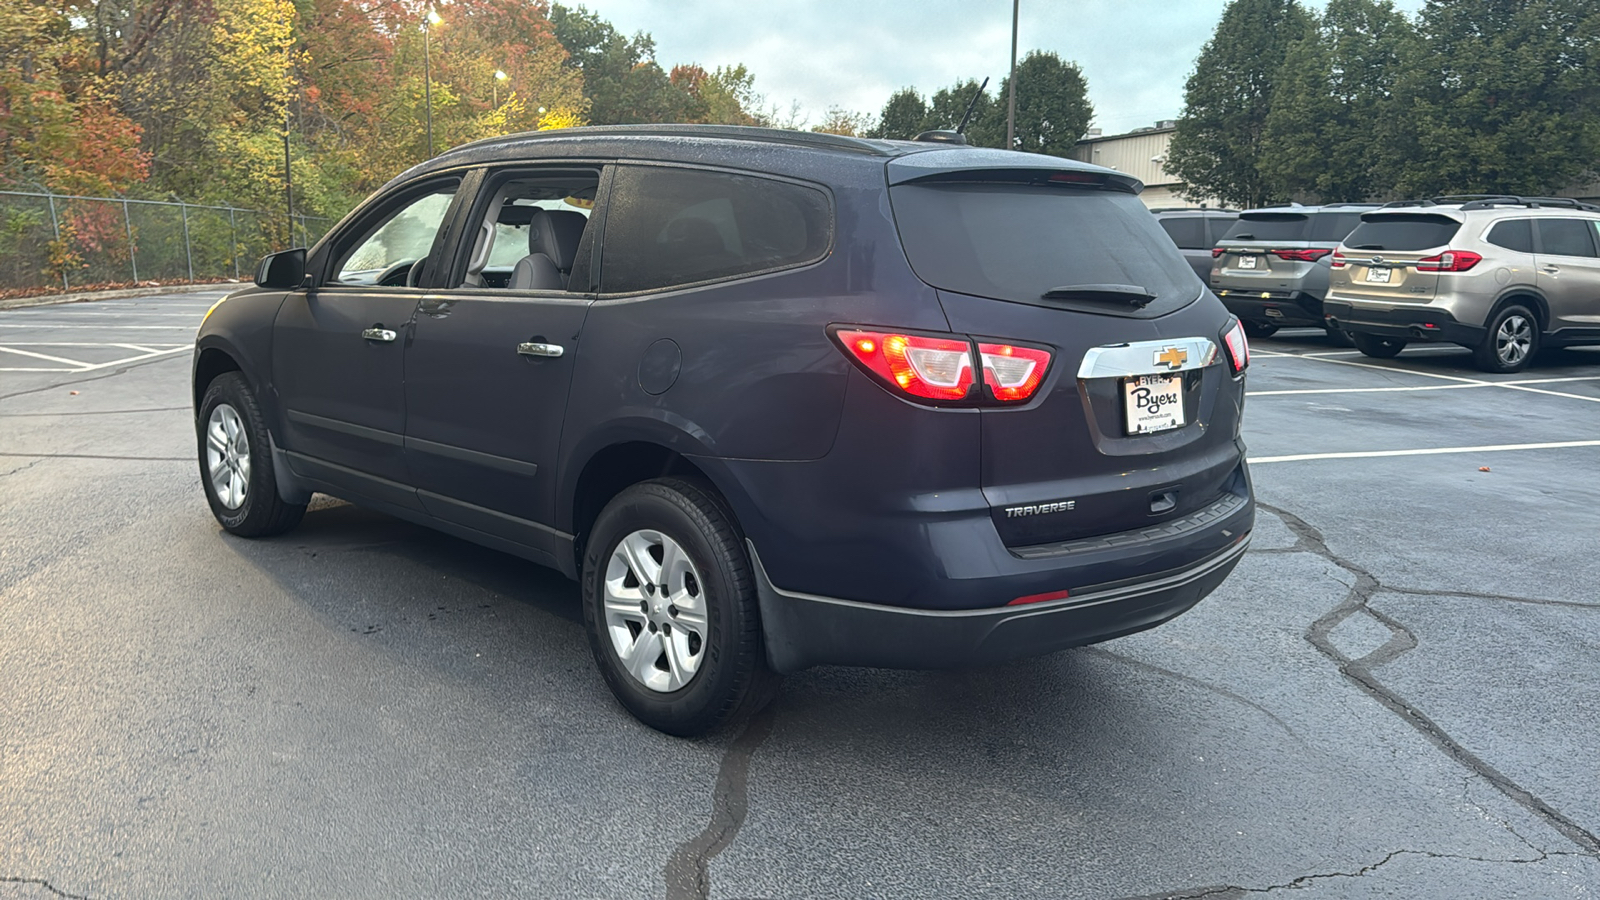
{"x": 1011, "y": 104}
{"x": 499, "y": 76}
{"x": 428, "y": 21}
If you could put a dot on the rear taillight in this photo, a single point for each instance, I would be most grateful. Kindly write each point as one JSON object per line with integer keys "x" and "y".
{"x": 939, "y": 366}
{"x": 1449, "y": 261}
{"x": 1339, "y": 261}
{"x": 1308, "y": 254}
{"x": 1238, "y": 348}
{"x": 1217, "y": 252}
{"x": 1013, "y": 373}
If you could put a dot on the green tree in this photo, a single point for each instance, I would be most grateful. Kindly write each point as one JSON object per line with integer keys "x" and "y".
{"x": 948, "y": 105}
{"x": 621, "y": 77}
{"x": 1333, "y": 127}
{"x": 902, "y": 116}
{"x": 1217, "y": 149}
{"x": 1502, "y": 96}
{"x": 850, "y": 123}
{"x": 1053, "y": 108}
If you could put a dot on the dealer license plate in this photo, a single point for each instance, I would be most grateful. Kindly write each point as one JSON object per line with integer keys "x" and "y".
{"x": 1247, "y": 262}
{"x": 1378, "y": 276}
{"x": 1153, "y": 403}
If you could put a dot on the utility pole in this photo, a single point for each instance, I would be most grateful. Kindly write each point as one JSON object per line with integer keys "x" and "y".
{"x": 1011, "y": 102}
{"x": 288, "y": 178}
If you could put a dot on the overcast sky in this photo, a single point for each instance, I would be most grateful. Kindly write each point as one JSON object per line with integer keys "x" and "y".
{"x": 1136, "y": 54}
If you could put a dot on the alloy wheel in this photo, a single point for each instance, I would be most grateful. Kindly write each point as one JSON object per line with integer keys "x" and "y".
{"x": 228, "y": 456}
{"x": 1513, "y": 339}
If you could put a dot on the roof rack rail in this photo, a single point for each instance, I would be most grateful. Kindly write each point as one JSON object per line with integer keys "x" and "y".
{"x": 1352, "y": 203}
{"x": 1530, "y": 202}
{"x": 1162, "y": 209}
{"x": 1398, "y": 204}
{"x": 816, "y": 140}
{"x": 1465, "y": 198}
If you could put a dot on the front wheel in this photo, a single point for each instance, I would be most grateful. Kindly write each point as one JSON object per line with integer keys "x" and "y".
{"x": 670, "y": 605}
{"x": 1377, "y": 346}
{"x": 1510, "y": 341}
{"x": 236, "y": 462}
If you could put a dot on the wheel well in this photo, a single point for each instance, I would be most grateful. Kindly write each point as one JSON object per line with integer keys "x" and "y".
{"x": 1533, "y": 302}
{"x": 212, "y": 363}
{"x": 615, "y": 469}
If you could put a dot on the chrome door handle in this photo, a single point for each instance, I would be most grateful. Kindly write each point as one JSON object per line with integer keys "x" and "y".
{"x": 533, "y": 348}
{"x": 379, "y": 334}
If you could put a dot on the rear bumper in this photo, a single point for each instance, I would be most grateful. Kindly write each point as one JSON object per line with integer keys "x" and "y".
{"x": 1411, "y": 323}
{"x": 1286, "y": 308}
{"x": 803, "y": 630}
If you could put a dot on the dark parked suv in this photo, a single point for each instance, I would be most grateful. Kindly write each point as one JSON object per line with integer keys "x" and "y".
{"x": 1196, "y": 229}
{"x": 774, "y": 399}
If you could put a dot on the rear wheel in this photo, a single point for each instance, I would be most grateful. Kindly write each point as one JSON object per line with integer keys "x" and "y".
{"x": 1510, "y": 341}
{"x": 236, "y": 462}
{"x": 670, "y": 606}
{"x": 1376, "y": 345}
{"x": 1257, "y": 329}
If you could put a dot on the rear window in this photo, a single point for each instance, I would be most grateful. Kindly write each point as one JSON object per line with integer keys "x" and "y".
{"x": 1566, "y": 237}
{"x": 1269, "y": 227}
{"x": 1018, "y": 241}
{"x": 1188, "y": 232}
{"x": 1402, "y": 232}
{"x": 668, "y": 227}
{"x": 1331, "y": 228}
{"x": 1513, "y": 234}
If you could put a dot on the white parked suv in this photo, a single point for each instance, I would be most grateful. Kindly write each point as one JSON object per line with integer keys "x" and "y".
{"x": 1503, "y": 276}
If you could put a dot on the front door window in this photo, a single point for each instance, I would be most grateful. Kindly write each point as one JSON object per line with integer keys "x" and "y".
{"x": 388, "y": 255}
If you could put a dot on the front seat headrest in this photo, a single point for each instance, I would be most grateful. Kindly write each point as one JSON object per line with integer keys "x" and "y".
{"x": 556, "y": 233}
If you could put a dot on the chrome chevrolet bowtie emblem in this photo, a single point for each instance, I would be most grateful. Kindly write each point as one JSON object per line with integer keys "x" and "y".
{"x": 1172, "y": 357}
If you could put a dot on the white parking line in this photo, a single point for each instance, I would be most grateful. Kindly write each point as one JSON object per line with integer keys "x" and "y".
{"x": 45, "y": 326}
{"x": 1475, "y": 382}
{"x": 1423, "y": 387}
{"x": 1425, "y": 451}
{"x": 76, "y": 366}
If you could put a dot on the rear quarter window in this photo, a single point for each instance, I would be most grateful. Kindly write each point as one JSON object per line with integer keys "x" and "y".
{"x": 1188, "y": 232}
{"x": 1402, "y": 232}
{"x": 1512, "y": 234}
{"x": 669, "y": 227}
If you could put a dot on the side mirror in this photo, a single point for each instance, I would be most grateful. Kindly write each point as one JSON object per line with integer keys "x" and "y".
{"x": 283, "y": 271}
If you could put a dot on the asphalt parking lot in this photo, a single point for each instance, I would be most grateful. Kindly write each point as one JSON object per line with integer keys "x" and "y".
{"x": 1395, "y": 695}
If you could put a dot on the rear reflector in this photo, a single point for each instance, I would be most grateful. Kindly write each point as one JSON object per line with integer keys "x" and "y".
{"x": 1013, "y": 373}
{"x": 935, "y": 368}
{"x": 1238, "y": 348}
{"x": 1039, "y": 598}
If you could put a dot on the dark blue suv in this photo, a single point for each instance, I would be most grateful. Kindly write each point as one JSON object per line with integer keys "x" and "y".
{"x": 775, "y": 399}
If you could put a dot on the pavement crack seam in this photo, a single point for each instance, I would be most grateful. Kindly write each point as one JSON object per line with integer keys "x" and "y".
{"x": 1234, "y": 890}
{"x": 15, "y": 879}
{"x": 1475, "y": 595}
{"x": 687, "y": 872}
{"x": 1359, "y": 672}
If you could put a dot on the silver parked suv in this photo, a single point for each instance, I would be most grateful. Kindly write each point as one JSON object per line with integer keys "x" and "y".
{"x": 1502, "y": 276}
{"x": 1271, "y": 266}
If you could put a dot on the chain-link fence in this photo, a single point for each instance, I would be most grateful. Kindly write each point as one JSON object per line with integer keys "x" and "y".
{"x": 60, "y": 240}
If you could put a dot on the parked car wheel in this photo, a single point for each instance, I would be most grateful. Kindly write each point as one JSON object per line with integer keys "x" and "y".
{"x": 1256, "y": 329}
{"x": 670, "y": 606}
{"x": 1376, "y": 345}
{"x": 1510, "y": 342}
{"x": 236, "y": 462}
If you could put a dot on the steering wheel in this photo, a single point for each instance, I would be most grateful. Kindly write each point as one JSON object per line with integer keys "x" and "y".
{"x": 396, "y": 275}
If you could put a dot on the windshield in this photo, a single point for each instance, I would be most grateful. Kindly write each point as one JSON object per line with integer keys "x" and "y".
{"x": 1402, "y": 232}
{"x": 1017, "y": 242}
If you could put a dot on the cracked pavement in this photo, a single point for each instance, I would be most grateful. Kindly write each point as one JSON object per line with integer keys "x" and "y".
{"x": 1395, "y": 695}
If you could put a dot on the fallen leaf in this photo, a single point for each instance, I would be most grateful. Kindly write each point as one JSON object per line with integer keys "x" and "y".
{"x": 74, "y": 393}
{"x": 1483, "y": 468}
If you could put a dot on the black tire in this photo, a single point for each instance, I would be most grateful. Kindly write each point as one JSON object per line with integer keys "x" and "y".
{"x": 732, "y": 680}
{"x": 1376, "y": 345}
{"x": 1255, "y": 330}
{"x": 262, "y": 512}
{"x": 1338, "y": 337}
{"x": 1510, "y": 341}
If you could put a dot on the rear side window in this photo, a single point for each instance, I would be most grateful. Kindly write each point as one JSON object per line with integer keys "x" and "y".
{"x": 1188, "y": 232}
{"x": 1270, "y": 227}
{"x": 1566, "y": 237}
{"x": 1332, "y": 228}
{"x": 1402, "y": 232}
{"x": 668, "y": 227}
{"x": 1011, "y": 241}
{"x": 1513, "y": 234}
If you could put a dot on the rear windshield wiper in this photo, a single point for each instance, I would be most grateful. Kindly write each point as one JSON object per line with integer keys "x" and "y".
{"x": 1131, "y": 294}
{"x": 1367, "y": 247}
